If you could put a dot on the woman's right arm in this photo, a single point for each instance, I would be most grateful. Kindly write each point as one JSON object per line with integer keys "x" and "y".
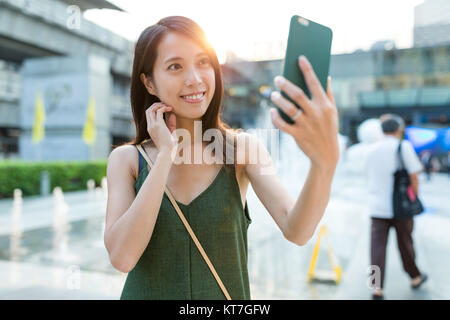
{"x": 130, "y": 218}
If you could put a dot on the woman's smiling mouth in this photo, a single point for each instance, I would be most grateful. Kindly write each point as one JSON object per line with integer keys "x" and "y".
{"x": 194, "y": 98}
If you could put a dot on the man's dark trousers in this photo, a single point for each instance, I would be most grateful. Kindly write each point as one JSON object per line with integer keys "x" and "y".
{"x": 379, "y": 236}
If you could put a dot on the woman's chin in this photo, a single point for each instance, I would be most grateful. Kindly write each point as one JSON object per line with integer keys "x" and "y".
{"x": 193, "y": 115}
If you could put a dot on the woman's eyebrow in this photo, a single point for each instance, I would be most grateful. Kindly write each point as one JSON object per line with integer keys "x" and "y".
{"x": 180, "y": 58}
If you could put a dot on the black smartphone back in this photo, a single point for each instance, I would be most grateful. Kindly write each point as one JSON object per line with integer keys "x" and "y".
{"x": 312, "y": 40}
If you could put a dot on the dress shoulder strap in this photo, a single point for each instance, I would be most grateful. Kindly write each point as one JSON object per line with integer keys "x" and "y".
{"x": 141, "y": 161}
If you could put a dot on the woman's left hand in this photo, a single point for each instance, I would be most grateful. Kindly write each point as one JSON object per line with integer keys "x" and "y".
{"x": 316, "y": 129}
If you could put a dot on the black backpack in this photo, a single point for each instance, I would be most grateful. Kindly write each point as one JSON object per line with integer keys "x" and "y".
{"x": 406, "y": 202}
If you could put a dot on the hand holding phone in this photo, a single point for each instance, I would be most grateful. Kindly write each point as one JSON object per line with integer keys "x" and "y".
{"x": 313, "y": 41}
{"x": 315, "y": 128}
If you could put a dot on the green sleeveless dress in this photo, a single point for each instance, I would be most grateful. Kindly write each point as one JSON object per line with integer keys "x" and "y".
{"x": 171, "y": 266}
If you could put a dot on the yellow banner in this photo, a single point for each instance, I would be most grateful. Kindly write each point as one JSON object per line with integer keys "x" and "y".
{"x": 89, "y": 126}
{"x": 38, "y": 130}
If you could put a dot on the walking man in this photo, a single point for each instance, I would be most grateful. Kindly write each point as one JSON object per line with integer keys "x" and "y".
{"x": 380, "y": 167}
{"x": 426, "y": 160}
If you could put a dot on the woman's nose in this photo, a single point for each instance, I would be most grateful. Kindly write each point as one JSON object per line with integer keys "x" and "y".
{"x": 193, "y": 77}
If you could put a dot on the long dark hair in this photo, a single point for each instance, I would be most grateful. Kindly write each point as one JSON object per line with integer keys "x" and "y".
{"x": 145, "y": 54}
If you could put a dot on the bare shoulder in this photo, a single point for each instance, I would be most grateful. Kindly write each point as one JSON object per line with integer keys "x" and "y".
{"x": 124, "y": 158}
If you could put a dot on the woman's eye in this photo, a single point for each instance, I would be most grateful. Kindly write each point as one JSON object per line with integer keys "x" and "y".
{"x": 203, "y": 61}
{"x": 170, "y": 67}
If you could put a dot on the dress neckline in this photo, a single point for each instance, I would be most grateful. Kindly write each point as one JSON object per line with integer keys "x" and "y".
{"x": 201, "y": 194}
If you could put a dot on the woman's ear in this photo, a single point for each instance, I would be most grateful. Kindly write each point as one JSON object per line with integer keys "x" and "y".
{"x": 148, "y": 84}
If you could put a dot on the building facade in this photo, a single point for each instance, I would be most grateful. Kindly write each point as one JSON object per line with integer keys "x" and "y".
{"x": 413, "y": 82}
{"x": 432, "y": 23}
{"x": 67, "y": 67}
{"x": 50, "y": 54}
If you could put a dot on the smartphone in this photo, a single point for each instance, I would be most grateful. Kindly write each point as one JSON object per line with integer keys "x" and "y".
{"x": 312, "y": 40}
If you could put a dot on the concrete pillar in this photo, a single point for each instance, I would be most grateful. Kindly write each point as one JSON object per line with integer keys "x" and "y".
{"x": 65, "y": 85}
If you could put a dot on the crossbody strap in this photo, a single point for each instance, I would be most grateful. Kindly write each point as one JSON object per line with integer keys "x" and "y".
{"x": 189, "y": 229}
{"x": 400, "y": 156}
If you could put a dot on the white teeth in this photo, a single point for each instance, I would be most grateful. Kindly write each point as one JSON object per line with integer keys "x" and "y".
{"x": 198, "y": 96}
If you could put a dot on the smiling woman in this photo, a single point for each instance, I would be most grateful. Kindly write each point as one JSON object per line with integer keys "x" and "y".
{"x": 176, "y": 73}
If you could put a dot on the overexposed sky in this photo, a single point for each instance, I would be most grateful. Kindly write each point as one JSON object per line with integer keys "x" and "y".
{"x": 259, "y": 29}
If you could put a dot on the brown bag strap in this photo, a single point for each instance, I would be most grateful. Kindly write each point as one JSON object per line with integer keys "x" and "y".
{"x": 188, "y": 227}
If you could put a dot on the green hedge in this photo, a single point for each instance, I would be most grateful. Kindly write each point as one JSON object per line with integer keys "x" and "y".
{"x": 70, "y": 176}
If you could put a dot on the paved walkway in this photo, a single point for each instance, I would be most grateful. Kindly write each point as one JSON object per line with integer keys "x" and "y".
{"x": 53, "y": 249}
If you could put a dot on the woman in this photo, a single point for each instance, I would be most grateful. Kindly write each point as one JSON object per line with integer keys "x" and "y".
{"x": 176, "y": 73}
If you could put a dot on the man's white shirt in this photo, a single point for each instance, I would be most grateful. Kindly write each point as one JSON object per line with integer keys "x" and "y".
{"x": 381, "y": 163}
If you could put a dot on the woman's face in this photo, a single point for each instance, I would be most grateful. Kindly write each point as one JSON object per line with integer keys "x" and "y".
{"x": 182, "y": 69}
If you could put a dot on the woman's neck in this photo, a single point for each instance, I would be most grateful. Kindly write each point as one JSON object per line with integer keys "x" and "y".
{"x": 194, "y": 127}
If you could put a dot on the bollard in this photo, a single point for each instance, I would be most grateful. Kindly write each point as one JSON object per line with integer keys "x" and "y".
{"x": 104, "y": 183}
{"x": 45, "y": 183}
{"x": 90, "y": 184}
{"x": 16, "y": 215}
{"x": 17, "y": 193}
{"x": 60, "y": 209}
{"x": 57, "y": 192}
{"x": 17, "y": 197}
